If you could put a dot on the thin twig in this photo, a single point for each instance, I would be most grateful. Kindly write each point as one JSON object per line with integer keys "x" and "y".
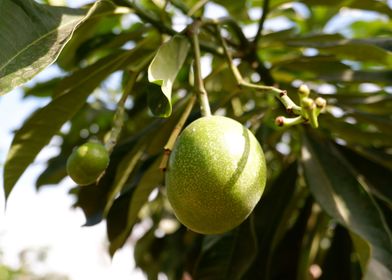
{"x": 261, "y": 22}
{"x": 279, "y": 93}
{"x": 199, "y": 84}
{"x": 176, "y": 131}
{"x": 118, "y": 119}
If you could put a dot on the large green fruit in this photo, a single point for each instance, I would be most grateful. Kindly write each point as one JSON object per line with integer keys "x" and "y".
{"x": 216, "y": 175}
{"x": 87, "y": 163}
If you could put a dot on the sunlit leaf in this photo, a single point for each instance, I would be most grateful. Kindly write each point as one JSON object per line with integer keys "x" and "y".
{"x": 346, "y": 198}
{"x": 164, "y": 69}
{"x": 31, "y": 37}
{"x": 95, "y": 35}
{"x": 372, "y": 5}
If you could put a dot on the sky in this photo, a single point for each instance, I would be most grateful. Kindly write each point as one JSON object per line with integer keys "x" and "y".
{"x": 45, "y": 219}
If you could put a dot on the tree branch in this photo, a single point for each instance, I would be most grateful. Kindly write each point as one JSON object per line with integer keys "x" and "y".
{"x": 279, "y": 93}
{"x": 263, "y": 17}
{"x": 199, "y": 85}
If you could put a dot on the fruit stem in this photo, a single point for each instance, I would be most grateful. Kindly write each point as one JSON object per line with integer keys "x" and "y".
{"x": 118, "y": 119}
{"x": 199, "y": 85}
{"x": 176, "y": 131}
{"x": 279, "y": 93}
{"x": 286, "y": 122}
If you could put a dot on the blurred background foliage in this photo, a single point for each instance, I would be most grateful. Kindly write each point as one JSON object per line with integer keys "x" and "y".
{"x": 326, "y": 211}
{"x": 29, "y": 259}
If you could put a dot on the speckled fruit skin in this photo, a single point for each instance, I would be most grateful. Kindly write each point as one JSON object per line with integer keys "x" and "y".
{"x": 216, "y": 175}
{"x": 87, "y": 163}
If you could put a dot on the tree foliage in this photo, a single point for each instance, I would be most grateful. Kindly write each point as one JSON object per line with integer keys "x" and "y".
{"x": 131, "y": 70}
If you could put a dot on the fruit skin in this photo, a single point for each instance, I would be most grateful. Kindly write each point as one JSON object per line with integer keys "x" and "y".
{"x": 216, "y": 175}
{"x": 87, "y": 163}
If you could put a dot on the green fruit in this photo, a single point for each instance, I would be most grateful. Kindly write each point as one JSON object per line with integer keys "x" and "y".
{"x": 216, "y": 175}
{"x": 87, "y": 163}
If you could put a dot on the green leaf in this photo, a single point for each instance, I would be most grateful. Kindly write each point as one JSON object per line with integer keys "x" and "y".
{"x": 124, "y": 212}
{"x": 31, "y": 37}
{"x": 159, "y": 106}
{"x": 55, "y": 171}
{"x": 378, "y": 156}
{"x": 376, "y": 104}
{"x": 37, "y": 131}
{"x": 351, "y": 76}
{"x": 381, "y": 123}
{"x": 272, "y": 217}
{"x": 377, "y": 176}
{"x": 123, "y": 171}
{"x": 370, "y": 5}
{"x": 345, "y": 197}
{"x": 355, "y": 134}
{"x": 101, "y": 23}
{"x": 332, "y": 71}
{"x": 228, "y": 256}
{"x": 164, "y": 69}
{"x": 369, "y": 29}
{"x": 345, "y": 48}
{"x": 42, "y": 89}
{"x": 338, "y": 262}
{"x": 236, "y": 9}
{"x": 284, "y": 262}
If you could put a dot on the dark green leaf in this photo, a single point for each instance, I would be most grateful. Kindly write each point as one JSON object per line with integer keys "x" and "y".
{"x": 339, "y": 262}
{"x": 43, "y": 89}
{"x": 101, "y": 21}
{"x": 164, "y": 68}
{"x": 381, "y": 123}
{"x": 378, "y": 177}
{"x": 123, "y": 171}
{"x": 376, "y": 104}
{"x": 55, "y": 171}
{"x": 284, "y": 261}
{"x": 379, "y": 156}
{"x": 351, "y": 76}
{"x": 335, "y": 186}
{"x": 272, "y": 217}
{"x": 228, "y": 256}
{"x": 124, "y": 212}
{"x": 346, "y": 49}
{"x": 236, "y": 9}
{"x": 355, "y": 134}
{"x": 159, "y": 107}
{"x": 31, "y": 37}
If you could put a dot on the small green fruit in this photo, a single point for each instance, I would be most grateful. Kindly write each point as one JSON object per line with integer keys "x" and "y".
{"x": 216, "y": 175}
{"x": 87, "y": 163}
